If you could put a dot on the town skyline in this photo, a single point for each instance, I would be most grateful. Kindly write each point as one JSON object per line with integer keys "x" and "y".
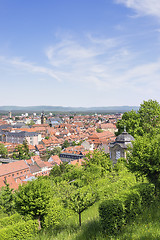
{"x": 79, "y": 54}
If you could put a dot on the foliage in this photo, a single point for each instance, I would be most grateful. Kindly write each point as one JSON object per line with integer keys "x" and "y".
{"x": 123, "y": 208}
{"x": 73, "y": 143}
{"x": 22, "y": 151}
{"x": 146, "y": 120}
{"x": 98, "y": 130}
{"x": 111, "y": 214}
{"x": 97, "y": 164}
{"x": 3, "y": 151}
{"x": 81, "y": 198}
{"x": 33, "y": 198}
{"x": 55, "y": 213}
{"x": 19, "y": 231}
{"x": 147, "y": 193}
{"x": 66, "y": 171}
{"x": 149, "y": 115}
{"x": 55, "y": 151}
{"x": 65, "y": 144}
{"x": 144, "y": 158}
{"x": 7, "y": 199}
{"x": 11, "y": 220}
{"x": 145, "y": 227}
{"x": 130, "y": 120}
{"x": 132, "y": 202}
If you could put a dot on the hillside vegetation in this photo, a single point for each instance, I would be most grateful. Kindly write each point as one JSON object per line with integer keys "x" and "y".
{"x": 96, "y": 200}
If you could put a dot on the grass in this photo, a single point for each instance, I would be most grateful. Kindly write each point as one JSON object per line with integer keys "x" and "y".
{"x": 144, "y": 227}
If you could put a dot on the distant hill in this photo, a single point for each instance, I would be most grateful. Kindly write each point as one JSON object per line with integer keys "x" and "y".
{"x": 69, "y": 109}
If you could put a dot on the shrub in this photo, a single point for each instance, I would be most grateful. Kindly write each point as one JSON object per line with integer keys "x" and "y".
{"x": 147, "y": 192}
{"x": 56, "y": 213}
{"x": 10, "y": 220}
{"x": 112, "y": 215}
{"x": 125, "y": 207}
{"x": 132, "y": 203}
{"x": 20, "y": 231}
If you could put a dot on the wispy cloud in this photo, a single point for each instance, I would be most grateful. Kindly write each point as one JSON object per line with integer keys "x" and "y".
{"x": 101, "y": 64}
{"x": 107, "y": 64}
{"x": 143, "y": 7}
{"x": 29, "y": 66}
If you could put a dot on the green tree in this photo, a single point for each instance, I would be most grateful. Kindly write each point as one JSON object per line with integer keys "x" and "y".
{"x": 67, "y": 172}
{"x": 22, "y": 151}
{"x": 3, "y": 151}
{"x": 65, "y": 144}
{"x": 73, "y": 143}
{"x": 99, "y": 130}
{"x": 55, "y": 151}
{"x": 146, "y": 120}
{"x": 96, "y": 164}
{"x": 130, "y": 120}
{"x": 81, "y": 199}
{"x": 7, "y": 199}
{"x": 32, "y": 199}
{"x": 25, "y": 147}
{"x": 149, "y": 112}
{"x": 144, "y": 158}
{"x": 55, "y": 213}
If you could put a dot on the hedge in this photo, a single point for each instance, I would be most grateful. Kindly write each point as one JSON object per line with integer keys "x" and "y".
{"x": 147, "y": 192}
{"x": 124, "y": 207}
{"x": 20, "y": 231}
{"x": 10, "y": 220}
{"x": 111, "y": 214}
{"x": 132, "y": 202}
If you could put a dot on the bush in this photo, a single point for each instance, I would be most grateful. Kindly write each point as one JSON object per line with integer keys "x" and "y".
{"x": 10, "y": 220}
{"x": 20, "y": 231}
{"x": 111, "y": 214}
{"x": 56, "y": 213}
{"x": 125, "y": 207}
{"x": 132, "y": 202}
{"x": 147, "y": 192}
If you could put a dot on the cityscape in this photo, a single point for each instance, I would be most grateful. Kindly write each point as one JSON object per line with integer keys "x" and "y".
{"x": 79, "y": 120}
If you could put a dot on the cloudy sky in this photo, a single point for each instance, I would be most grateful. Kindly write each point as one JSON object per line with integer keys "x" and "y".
{"x": 79, "y": 52}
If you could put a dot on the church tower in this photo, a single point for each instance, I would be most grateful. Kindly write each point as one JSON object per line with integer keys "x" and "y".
{"x": 43, "y": 119}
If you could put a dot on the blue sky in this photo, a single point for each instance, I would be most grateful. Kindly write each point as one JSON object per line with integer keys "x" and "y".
{"x": 79, "y": 52}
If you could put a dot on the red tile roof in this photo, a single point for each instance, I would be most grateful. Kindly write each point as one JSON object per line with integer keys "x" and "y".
{"x": 13, "y": 167}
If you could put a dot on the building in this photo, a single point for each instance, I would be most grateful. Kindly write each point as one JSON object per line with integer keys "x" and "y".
{"x": 119, "y": 148}
{"x": 20, "y": 137}
{"x": 99, "y": 138}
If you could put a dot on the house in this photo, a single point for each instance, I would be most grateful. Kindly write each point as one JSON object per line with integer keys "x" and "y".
{"x": 104, "y": 137}
{"x": 13, "y": 173}
{"x": 20, "y": 137}
{"x": 108, "y": 127}
{"x": 72, "y": 153}
{"x": 40, "y": 150}
{"x": 55, "y": 160}
{"x": 88, "y": 145}
{"x": 119, "y": 148}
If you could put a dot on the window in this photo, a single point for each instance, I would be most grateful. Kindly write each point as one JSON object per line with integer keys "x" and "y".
{"x": 118, "y": 155}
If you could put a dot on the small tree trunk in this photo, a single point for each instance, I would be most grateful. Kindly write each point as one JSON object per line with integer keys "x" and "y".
{"x": 80, "y": 219}
{"x": 39, "y": 222}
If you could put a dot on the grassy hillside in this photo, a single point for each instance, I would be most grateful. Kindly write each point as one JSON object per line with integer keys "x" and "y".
{"x": 144, "y": 227}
